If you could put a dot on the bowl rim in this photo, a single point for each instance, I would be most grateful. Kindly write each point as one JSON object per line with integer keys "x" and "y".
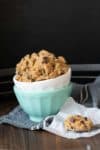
{"x": 66, "y": 87}
{"x": 68, "y": 73}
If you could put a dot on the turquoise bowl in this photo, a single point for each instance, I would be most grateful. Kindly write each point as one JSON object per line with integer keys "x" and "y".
{"x": 40, "y": 104}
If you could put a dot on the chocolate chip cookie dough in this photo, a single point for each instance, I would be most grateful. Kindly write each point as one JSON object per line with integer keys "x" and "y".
{"x": 78, "y": 123}
{"x": 40, "y": 66}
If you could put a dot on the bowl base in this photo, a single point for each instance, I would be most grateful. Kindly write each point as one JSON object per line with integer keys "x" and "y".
{"x": 36, "y": 119}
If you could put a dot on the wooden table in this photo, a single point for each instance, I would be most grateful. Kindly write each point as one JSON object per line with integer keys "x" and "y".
{"x": 12, "y": 138}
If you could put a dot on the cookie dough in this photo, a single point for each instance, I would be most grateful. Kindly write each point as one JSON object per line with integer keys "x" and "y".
{"x": 78, "y": 123}
{"x": 40, "y": 66}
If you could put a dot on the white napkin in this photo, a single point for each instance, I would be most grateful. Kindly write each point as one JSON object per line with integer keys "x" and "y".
{"x": 71, "y": 107}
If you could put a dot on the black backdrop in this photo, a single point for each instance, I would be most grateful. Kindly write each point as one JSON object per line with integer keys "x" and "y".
{"x": 66, "y": 27}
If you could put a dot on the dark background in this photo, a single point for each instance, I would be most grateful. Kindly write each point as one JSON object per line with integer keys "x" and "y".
{"x": 65, "y": 27}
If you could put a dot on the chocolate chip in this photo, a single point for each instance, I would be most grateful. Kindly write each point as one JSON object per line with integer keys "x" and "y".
{"x": 72, "y": 120}
{"x": 78, "y": 116}
{"x": 72, "y": 127}
{"x": 85, "y": 118}
{"x": 82, "y": 121}
{"x": 45, "y": 60}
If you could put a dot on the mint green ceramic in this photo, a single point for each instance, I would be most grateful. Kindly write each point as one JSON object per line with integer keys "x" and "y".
{"x": 39, "y": 104}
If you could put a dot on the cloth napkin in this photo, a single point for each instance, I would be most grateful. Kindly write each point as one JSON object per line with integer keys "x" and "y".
{"x": 87, "y": 95}
{"x": 56, "y": 123}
